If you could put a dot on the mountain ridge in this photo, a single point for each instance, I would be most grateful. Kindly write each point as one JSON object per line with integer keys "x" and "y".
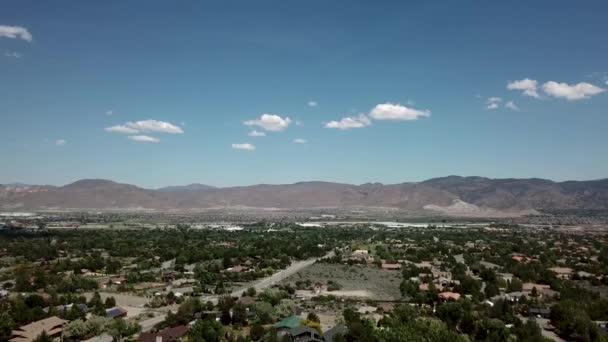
{"x": 448, "y": 195}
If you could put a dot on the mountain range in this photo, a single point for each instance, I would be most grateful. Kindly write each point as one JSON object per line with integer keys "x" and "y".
{"x": 447, "y": 195}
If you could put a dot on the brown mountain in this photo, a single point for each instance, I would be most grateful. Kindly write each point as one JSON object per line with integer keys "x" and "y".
{"x": 453, "y": 194}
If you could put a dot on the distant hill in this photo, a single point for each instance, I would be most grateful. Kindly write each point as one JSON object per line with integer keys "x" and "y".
{"x": 447, "y": 195}
{"x": 189, "y": 187}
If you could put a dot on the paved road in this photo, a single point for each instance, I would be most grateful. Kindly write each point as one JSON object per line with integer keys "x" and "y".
{"x": 148, "y": 324}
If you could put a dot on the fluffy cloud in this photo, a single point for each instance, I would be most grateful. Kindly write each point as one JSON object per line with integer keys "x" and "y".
{"x": 255, "y": 133}
{"x": 121, "y": 129}
{"x": 528, "y": 86}
{"x": 245, "y": 146}
{"x": 146, "y": 126}
{"x": 350, "y": 122}
{"x": 155, "y": 126}
{"x": 15, "y": 32}
{"x": 312, "y": 103}
{"x": 143, "y": 138}
{"x": 60, "y": 142}
{"x": 300, "y": 141}
{"x": 390, "y": 111}
{"x": 511, "y": 105}
{"x": 493, "y": 102}
{"x": 573, "y": 92}
{"x": 270, "y": 122}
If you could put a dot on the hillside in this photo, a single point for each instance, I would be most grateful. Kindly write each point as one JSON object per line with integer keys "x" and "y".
{"x": 450, "y": 195}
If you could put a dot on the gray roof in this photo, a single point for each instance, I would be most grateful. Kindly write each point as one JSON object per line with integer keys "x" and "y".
{"x": 337, "y": 330}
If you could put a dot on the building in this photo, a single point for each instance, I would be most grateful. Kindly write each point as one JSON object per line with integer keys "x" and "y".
{"x": 562, "y": 272}
{"x": 391, "y": 267}
{"x": 305, "y": 334}
{"x": 52, "y": 326}
{"x": 116, "y": 312}
{"x": 447, "y": 296}
{"x": 167, "y": 335}
{"x": 338, "y": 330}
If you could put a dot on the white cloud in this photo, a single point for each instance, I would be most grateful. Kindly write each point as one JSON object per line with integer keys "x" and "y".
{"x": 493, "y": 102}
{"x": 12, "y": 54}
{"x": 255, "y": 133}
{"x": 312, "y": 103}
{"x": 60, "y": 142}
{"x": 15, "y": 32}
{"x": 300, "y": 141}
{"x": 155, "y": 126}
{"x": 390, "y": 111}
{"x": 146, "y": 126}
{"x": 573, "y": 92}
{"x": 109, "y": 112}
{"x": 143, "y": 138}
{"x": 511, "y": 105}
{"x": 528, "y": 86}
{"x": 350, "y": 122}
{"x": 245, "y": 147}
{"x": 270, "y": 122}
{"x": 121, "y": 129}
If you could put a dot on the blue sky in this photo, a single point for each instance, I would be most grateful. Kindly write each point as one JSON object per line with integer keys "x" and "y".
{"x": 158, "y": 93}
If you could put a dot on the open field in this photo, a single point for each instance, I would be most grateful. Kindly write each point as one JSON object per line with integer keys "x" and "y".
{"x": 357, "y": 281}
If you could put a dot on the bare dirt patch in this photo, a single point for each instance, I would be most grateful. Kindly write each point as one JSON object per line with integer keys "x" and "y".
{"x": 362, "y": 281}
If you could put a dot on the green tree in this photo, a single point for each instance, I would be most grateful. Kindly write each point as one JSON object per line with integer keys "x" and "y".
{"x": 451, "y": 313}
{"x": 120, "y": 328}
{"x": 515, "y": 285}
{"x": 313, "y": 317}
{"x": 239, "y": 314}
{"x": 6, "y": 325}
{"x": 110, "y": 302}
{"x": 208, "y": 330}
{"x": 257, "y": 332}
{"x": 265, "y": 313}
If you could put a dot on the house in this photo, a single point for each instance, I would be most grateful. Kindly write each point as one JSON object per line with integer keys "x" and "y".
{"x": 52, "y": 326}
{"x": 391, "y": 267}
{"x": 167, "y": 335}
{"x": 246, "y": 301}
{"x": 331, "y": 334}
{"x": 386, "y": 308}
{"x": 289, "y": 323}
{"x": 489, "y": 265}
{"x": 104, "y": 337}
{"x": 237, "y": 269}
{"x": 116, "y": 312}
{"x": 508, "y": 277}
{"x": 519, "y": 258}
{"x": 447, "y": 296}
{"x": 117, "y": 281}
{"x": 562, "y": 272}
{"x": 305, "y": 334}
{"x": 285, "y": 326}
{"x": 583, "y": 274}
{"x": 540, "y": 312}
{"x": 527, "y": 287}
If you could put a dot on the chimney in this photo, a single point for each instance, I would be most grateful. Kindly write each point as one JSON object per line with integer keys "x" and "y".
{"x": 159, "y": 338}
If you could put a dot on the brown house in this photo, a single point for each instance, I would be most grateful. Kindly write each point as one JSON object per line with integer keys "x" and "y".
{"x": 52, "y": 326}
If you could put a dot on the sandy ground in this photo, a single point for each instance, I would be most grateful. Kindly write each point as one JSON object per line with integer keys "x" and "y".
{"x": 360, "y": 281}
